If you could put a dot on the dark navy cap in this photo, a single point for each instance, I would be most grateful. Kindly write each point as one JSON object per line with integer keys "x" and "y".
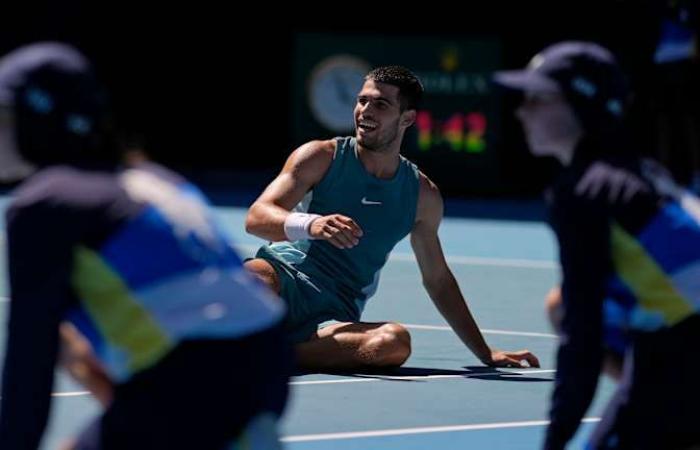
{"x": 56, "y": 100}
{"x": 584, "y": 72}
{"x": 19, "y": 66}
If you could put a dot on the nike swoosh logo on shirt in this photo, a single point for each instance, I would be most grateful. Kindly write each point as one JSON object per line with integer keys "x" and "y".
{"x": 369, "y": 202}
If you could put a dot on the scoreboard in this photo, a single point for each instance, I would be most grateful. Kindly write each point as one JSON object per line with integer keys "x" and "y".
{"x": 455, "y": 138}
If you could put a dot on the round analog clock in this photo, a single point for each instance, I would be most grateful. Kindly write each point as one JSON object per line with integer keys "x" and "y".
{"x": 332, "y": 91}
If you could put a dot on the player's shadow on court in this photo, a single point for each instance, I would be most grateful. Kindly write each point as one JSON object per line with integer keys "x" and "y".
{"x": 413, "y": 374}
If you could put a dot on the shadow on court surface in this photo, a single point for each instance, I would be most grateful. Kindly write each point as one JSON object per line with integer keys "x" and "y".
{"x": 422, "y": 374}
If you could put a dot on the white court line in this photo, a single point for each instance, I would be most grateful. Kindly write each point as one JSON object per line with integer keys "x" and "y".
{"x": 477, "y": 261}
{"x": 367, "y": 380}
{"x": 468, "y": 260}
{"x": 343, "y": 380}
{"x": 70, "y": 394}
{"x": 451, "y": 259}
{"x": 421, "y": 430}
{"x": 487, "y": 331}
{"x": 372, "y": 378}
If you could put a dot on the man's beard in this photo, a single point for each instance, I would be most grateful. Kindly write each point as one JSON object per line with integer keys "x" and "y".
{"x": 380, "y": 144}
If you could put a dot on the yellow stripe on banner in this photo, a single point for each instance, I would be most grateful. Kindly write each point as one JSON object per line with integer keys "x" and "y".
{"x": 645, "y": 279}
{"x": 122, "y": 320}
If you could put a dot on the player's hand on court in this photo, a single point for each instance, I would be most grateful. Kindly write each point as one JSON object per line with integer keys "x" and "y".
{"x": 519, "y": 359}
{"x": 341, "y": 231}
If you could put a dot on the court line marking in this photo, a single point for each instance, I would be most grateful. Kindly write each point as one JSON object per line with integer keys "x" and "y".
{"x": 479, "y": 261}
{"x": 455, "y": 259}
{"x": 487, "y": 331}
{"x": 451, "y": 259}
{"x": 465, "y": 260}
{"x": 413, "y": 326}
{"x": 372, "y": 378}
{"x": 340, "y": 381}
{"x": 70, "y": 394}
{"x": 421, "y": 430}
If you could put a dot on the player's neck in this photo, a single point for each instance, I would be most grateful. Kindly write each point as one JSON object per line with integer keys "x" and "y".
{"x": 382, "y": 164}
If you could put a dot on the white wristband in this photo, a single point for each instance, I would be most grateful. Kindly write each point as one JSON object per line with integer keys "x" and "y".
{"x": 296, "y": 226}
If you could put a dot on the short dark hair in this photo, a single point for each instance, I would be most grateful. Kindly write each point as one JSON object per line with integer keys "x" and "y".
{"x": 410, "y": 87}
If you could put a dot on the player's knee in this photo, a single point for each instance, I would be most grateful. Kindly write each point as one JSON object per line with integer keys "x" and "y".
{"x": 389, "y": 346}
{"x": 398, "y": 331}
{"x": 264, "y": 272}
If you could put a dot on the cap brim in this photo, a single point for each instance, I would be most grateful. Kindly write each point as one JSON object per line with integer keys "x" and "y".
{"x": 525, "y": 80}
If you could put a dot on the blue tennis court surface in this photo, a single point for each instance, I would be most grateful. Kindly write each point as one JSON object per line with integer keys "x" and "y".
{"x": 442, "y": 398}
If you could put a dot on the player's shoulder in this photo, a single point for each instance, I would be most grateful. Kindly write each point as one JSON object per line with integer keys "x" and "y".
{"x": 63, "y": 192}
{"x": 427, "y": 188}
{"x": 430, "y": 203}
{"x": 314, "y": 156}
{"x": 318, "y": 148}
{"x": 64, "y": 184}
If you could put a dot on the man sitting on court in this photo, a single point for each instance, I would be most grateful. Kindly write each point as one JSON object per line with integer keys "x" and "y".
{"x": 360, "y": 197}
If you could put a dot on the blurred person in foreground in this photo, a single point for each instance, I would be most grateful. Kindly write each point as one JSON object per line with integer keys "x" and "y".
{"x": 132, "y": 259}
{"x": 629, "y": 243}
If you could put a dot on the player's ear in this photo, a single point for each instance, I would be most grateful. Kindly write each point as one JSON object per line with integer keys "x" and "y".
{"x": 408, "y": 118}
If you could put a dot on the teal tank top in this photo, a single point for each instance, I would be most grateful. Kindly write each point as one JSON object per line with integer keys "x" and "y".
{"x": 385, "y": 210}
